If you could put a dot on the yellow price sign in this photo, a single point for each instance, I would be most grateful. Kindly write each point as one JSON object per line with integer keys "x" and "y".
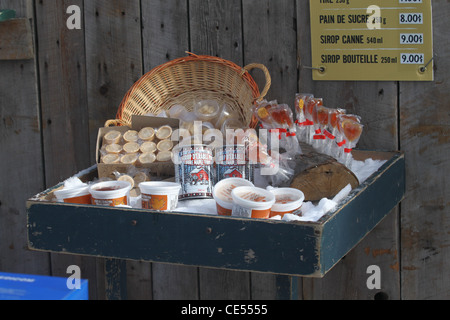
{"x": 372, "y": 40}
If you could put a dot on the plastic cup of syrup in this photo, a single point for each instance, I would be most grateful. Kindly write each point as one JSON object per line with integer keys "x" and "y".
{"x": 111, "y": 193}
{"x": 252, "y": 202}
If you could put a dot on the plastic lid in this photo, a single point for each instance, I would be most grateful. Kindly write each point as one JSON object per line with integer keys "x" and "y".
{"x": 131, "y": 136}
{"x": 113, "y": 136}
{"x": 110, "y": 189}
{"x": 71, "y": 193}
{"x": 253, "y": 198}
{"x": 114, "y": 148}
{"x": 159, "y": 188}
{"x": 207, "y": 109}
{"x": 111, "y": 158}
{"x": 164, "y": 132}
{"x": 177, "y": 111}
{"x": 129, "y": 158}
{"x": 165, "y": 145}
{"x": 222, "y": 190}
{"x": 148, "y": 157}
{"x": 131, "y": 147}
{"x": 147, "y": 133}
{"x": 148, "y": 147}
{"x": 287, "y": 199}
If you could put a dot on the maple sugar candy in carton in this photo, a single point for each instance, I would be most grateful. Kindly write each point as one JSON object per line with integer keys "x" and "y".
{"x": 146, "y": 144}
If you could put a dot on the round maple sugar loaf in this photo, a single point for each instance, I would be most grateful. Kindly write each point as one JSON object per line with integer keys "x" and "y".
{"x": 147, "y": 134}
{"x": 131, "y": 136}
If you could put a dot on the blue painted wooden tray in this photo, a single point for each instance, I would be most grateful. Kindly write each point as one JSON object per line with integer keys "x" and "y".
{"x": 286, "y": 248}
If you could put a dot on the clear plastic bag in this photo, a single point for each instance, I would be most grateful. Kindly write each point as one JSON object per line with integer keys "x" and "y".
{"x": 207, "y": 110}
{"x": 332, "y": 131}
{"x": 352, "y": 131}
{"x": 225, "y": 114}
{"x": 310, "y": 106}
{"x": 341, "y": 140}
{"x": 280, "y": 170}
{"x": 279, "y": 119}
{"x": 133, "y": 175}
{"x": 301, "y": 100}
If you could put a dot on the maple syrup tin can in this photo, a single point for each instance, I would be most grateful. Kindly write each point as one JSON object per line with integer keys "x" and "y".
{"x": 194, "y": 171}
{"x": 232, "y": 162}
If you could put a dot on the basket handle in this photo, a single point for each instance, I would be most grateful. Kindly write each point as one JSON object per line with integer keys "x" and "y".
{"x": 252, "y": 66}
{"x": 114, "y": 123}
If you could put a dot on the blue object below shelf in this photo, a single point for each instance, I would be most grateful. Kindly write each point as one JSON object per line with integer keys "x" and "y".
{"x": 30, "y": 287}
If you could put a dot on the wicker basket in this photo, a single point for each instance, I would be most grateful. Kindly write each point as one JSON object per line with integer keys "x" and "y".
{"x": 189, "y": 79}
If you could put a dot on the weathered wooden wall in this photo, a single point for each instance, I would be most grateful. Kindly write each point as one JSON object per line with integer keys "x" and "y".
{"x": 52, "y": 106}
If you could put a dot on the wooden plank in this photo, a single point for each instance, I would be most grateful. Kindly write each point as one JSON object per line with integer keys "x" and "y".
{"x": 224, "y": 285}
{"x": 214, "y": 242}
{"x": 425, "y": 132}
{"x": 113, "y": 58}
{"x": 263, "y": 286}
{"x": 269, "y": 34}
{"x": 347, "y": 226}
{"x": 353, "y": 269}
{"x": 65, "y": 115}
{"x": 113, "y": 62}
{"x": 174, "y": 282}
{"x": 287, "y": 287}
{"x": 377, "y": 103}
{"x": 270, "y": 39}
{"x": 62, "y": 74}
{"x": 165, "y": 36}
{"x": 22, "y": 165}
{"x": 216, "y": 30}
{"x": 116, "y": 279}
{"x": 16, "y": 40}
{"x": 139, "y": 281}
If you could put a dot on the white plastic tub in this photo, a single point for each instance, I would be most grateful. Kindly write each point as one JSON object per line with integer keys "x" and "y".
{"x": 160, "y": 196}
{"x": 287, "y": 201}
{"x": 222, "y": 194}
{"x": 252, "y": 202}
{"x": 79, "y": 195}
{"x": 110, "y": 193}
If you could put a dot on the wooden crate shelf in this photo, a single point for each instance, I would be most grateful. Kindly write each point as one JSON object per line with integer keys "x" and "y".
{"x": 303, "y": 249}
